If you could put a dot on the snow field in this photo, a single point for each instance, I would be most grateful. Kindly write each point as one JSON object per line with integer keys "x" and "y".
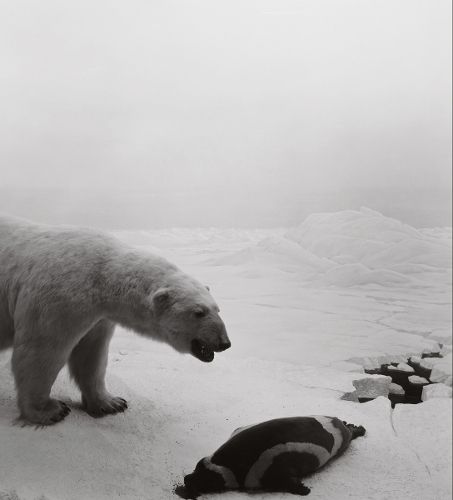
{"x": 306, "y": 308}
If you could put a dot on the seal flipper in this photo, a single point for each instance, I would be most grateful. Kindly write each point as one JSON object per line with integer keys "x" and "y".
{"x": 292, "y": 485}
{"x": 356, "y": 430}
{"x": 297, "y": 487}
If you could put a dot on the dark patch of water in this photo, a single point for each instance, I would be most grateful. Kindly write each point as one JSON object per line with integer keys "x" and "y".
{"x": 412, "y": 389}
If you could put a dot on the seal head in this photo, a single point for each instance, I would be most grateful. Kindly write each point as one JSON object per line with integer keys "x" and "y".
{"x": 203, "y": 480}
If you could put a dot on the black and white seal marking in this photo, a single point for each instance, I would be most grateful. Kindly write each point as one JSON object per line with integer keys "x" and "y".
{"x": 271, "y": 456}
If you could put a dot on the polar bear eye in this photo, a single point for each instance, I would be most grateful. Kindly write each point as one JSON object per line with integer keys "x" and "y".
{"x": 199, "y": 313}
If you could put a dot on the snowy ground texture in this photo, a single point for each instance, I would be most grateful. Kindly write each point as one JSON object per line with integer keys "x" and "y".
{"x": 305, "y": 308}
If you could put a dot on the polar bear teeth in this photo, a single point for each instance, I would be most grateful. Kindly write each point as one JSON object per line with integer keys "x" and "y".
{"x": 201, "y": 351}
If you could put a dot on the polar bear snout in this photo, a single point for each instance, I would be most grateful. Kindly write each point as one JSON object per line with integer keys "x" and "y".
{"x": 223, "y": 346}
{"x": 222, "y": 342}
{"x": 210, "y": 341}
{"x": 204, "y": 351}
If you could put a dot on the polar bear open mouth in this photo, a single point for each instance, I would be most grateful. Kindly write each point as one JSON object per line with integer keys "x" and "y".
{"x": 201, "y": 351}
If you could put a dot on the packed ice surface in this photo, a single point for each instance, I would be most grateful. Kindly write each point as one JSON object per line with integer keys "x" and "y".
{"x": 305, "y": 307}
{"x": 442, "y": 370}
{"x": 404, "y": 367}
{"x": 436, "y": 390}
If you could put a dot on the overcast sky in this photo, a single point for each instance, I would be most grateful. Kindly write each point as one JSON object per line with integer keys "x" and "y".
{"x": 209, "y": 95}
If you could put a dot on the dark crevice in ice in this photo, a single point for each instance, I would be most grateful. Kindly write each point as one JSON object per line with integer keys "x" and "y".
{"x": 412, "y": 386}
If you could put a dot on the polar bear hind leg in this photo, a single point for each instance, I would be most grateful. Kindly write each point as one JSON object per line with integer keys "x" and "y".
{"x": 35, "y": 367}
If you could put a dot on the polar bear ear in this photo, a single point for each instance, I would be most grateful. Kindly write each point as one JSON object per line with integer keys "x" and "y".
{"x": 161, "y": 298}
{"x": 207, "y": 288}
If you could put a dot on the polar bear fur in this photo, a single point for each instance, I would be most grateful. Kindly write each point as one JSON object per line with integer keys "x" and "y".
{"x": 63, "y": 289}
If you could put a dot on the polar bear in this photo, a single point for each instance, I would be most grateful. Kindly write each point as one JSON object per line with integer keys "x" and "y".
{"x": 63, "y": 289}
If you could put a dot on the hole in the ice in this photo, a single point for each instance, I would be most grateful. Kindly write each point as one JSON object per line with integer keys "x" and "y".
{"x": 408, "y": 380}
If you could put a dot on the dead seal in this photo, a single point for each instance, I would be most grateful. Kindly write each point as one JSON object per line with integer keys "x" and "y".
{"x": 271, "y": 456}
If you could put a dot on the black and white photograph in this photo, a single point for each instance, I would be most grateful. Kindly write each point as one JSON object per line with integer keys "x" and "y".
{"x": 225, "y": 249}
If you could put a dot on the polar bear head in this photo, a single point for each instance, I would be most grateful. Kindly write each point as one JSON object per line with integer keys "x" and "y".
{"x": 187, "y": 318}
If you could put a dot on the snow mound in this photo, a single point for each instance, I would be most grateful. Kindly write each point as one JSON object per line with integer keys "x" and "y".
{"x": 362, "y": 225}
{"x": 354, "y": 248}
{"x": 369, "y": 237}
{"x": 280, "y": 252}
{"x": 411, "y": 251}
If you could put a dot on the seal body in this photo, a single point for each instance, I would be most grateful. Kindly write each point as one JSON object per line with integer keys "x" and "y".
{"x": 272, "y": 456}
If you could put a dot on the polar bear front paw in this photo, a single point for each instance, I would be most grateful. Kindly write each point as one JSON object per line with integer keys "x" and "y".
{"x": 49, "y": 413}
{"x": 105, "y": 405}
